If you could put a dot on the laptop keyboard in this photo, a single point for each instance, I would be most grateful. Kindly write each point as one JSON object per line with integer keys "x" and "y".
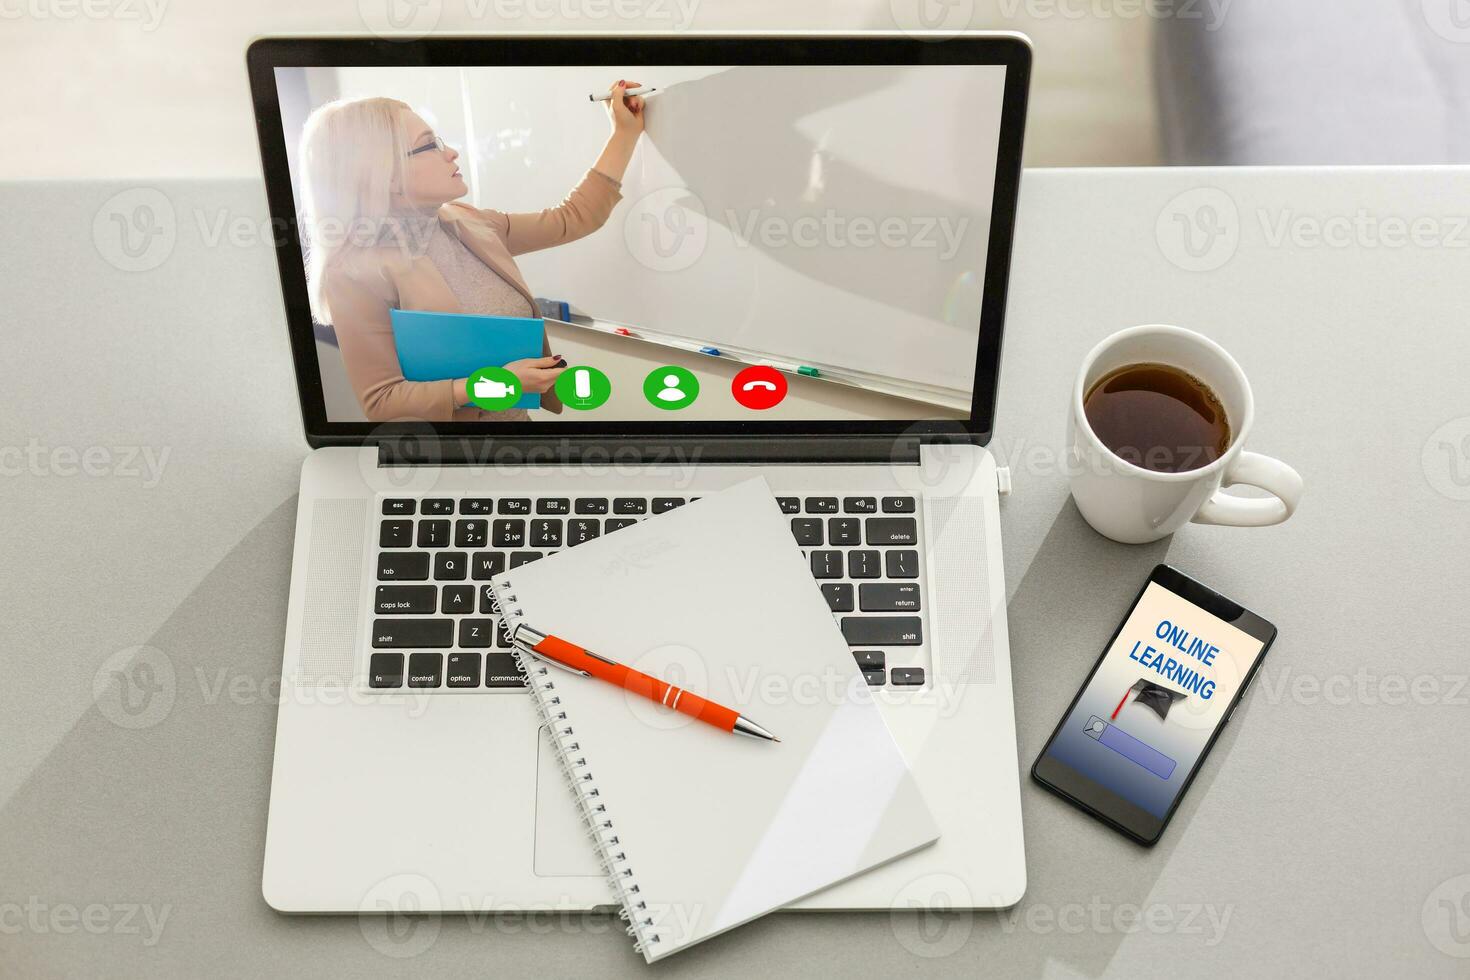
{"x": 433, "y": 620}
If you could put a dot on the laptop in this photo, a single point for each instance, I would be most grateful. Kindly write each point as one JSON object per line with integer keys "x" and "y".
{"x": 789, "y": 258}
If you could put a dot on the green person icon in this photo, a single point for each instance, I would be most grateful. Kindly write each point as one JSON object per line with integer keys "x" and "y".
{"x": 671, "y": 387}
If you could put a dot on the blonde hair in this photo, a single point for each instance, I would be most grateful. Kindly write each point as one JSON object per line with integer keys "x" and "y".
{"x": 352, "y": 154}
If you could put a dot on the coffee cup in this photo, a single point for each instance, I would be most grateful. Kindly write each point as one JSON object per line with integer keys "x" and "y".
{"x": 1129, "y": 500}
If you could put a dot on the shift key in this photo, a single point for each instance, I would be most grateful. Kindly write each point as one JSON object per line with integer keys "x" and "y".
{"x": 395, "y": 632}
{"x": 882, "y": 631}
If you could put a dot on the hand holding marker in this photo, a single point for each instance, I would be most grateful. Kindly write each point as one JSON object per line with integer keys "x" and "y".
{"x": 605, "y": 96}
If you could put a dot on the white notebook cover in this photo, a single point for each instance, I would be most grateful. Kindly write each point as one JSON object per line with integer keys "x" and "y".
{"x": 701, "y": 830}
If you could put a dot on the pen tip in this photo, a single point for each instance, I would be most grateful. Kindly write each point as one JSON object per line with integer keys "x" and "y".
{"x": 775, "y": 739}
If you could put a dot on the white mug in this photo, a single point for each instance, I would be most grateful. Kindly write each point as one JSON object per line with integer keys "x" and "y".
{"x": 1134, "y": 505}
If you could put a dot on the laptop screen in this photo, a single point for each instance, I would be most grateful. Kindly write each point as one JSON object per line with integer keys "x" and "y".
{"x": 504, "y": 246}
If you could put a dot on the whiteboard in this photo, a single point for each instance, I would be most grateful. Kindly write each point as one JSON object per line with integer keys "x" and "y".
{"x": 825, "y": 215}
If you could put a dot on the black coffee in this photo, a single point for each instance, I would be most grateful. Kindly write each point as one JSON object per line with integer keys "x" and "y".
{"x": 1158, "y": 417}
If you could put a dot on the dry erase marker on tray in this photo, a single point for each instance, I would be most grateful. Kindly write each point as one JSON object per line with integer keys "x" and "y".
{"x": 711, "y": 351}
{"x": 802, "y": 369}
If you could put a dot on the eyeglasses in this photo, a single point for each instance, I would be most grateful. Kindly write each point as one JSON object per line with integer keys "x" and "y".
{"x": 437, "y": 144}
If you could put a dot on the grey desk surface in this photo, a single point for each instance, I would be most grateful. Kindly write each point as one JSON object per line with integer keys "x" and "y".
{"x": 150, "y": 448}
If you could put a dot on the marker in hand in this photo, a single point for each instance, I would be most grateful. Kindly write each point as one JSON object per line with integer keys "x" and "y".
{"x": 605, "y": 96}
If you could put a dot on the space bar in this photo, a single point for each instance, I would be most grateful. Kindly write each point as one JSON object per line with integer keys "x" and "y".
{"x": 882, "y": 631}
{"x": 413, "y": 632}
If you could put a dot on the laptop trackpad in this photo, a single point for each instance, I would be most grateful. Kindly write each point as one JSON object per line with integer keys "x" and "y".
{"x": 562, "y": 845}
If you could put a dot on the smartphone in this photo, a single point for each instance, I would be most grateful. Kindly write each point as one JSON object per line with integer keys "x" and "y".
{"x": 1150, "y": 710}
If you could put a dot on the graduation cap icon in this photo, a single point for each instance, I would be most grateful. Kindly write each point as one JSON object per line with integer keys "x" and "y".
{"x": 1153, "y": 696}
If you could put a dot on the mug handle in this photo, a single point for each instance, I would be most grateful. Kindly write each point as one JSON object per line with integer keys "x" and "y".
{"x": 1253, "y": 469}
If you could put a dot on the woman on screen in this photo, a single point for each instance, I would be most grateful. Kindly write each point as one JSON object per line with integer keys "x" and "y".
{"x": 386, "y": 230}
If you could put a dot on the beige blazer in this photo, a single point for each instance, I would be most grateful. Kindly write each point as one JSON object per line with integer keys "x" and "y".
{"x": 362, "y": 289}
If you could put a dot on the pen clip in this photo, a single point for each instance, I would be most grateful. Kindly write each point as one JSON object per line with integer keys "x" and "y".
{"x": 527, "y": 648}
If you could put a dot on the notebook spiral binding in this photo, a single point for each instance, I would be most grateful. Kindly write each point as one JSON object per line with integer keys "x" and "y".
{"x": 596, "y": 821}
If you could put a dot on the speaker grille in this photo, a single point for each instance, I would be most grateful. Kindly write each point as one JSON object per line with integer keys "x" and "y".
{"x": 963, "y": 643}
{"x": 333, "y": 590}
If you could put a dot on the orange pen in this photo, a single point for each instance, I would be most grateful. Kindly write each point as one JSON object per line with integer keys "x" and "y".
{"x": 569, "y": 656}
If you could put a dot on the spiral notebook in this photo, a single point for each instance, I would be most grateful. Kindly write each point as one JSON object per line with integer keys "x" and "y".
{"x": 699, "y": 830}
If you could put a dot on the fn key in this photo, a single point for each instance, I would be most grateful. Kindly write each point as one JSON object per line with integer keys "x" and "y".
{"x": 385, "y": 670}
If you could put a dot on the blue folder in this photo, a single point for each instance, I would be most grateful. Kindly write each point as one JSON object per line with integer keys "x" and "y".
{"x": 434, "y": 346}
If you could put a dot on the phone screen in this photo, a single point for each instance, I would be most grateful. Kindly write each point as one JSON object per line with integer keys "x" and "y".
{"x": 1137, "y": 731}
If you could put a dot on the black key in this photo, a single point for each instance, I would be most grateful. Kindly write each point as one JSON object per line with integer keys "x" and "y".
{"x": 882, "y": 631}
{"x": 508, "y": 534}
{"x": 478, "y": 506}
{"x": 862, "y": 563}
{"x": 425, "y": 669}
{"x": 874, "y": 678}
{"x": 907, "y": 676}
{"x": 901, "y": 563}
{"x": 617, "y": 523}
{"x": 457, "y": 599}
{"x": 463, "y": 670}
{"x": 546, "y": 533}
{"x": 859, "y": 505}
{"x": 395, "y": 534}
{"x": 807, "y": 530}
{"x": 399, "y": 506}
{"x": 844, "y": 530}
{"x": 399, "y": 600}
{"x": 553, "y": 505}
{"x": 471, "y": 533}
{"x": 583, "y": 529}
{"x": 630, "y": 505}
{"x": 403, "y": 566}
{"x": 412, "y": 633}
{"x": 436, "y": 506}
{"x": 892, "y": 530}
{"x": 475, "y": 633}
{"x": 501, "y": 671}
{"x": 519, "y": 558}
{"x": 486, "y": 564}
{"x": 838, "y": 596}
{"x": 592, "y": 505}
{"x": 661, "y": 504}
{"x": 827, "y": 564}
{"x": 866, "y": 659}
{"x": 821, "y": 505}
{"x": 450, "y": 566}
{"x": 385, "y": 670}
{"x": 502, "y": 634}
{"x": 789, "y": 505}
{"x": 889, "y": 597}
{"x": 515, "y": 505}
{"x": 898, "y": 505}
{"x": 433, "y": 534}
{"x": 487, "y": 600}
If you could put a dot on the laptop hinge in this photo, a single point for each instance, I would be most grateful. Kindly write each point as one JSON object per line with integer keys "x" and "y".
{"x": 417, "y": 450}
